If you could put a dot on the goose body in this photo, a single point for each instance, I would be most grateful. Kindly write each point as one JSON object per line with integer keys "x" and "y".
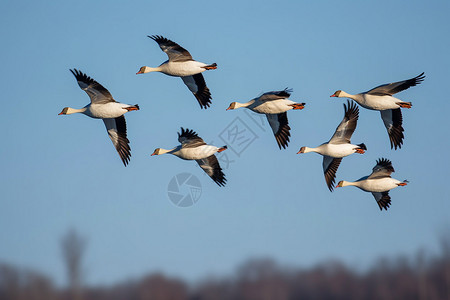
{"x": 194, "y": 148}
{"x": 375, "y": 185}
{"x": 194, "y": 153}
{"x": 339, "y": 145}
{"x": 374, "y": 102}
{"x": 334, "y": 150}
{"x": 181, "y": 64}
{"x": 179, "y": 69}
{"x": 110, "y": 110}
{"x": 379, "y": 183}
{"x": 274, "y": 105}
{"x": 381, "y": 98}
{"x": 103, "y": 106}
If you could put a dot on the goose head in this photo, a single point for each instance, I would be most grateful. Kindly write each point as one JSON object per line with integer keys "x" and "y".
{"x": 236, "y": 105}
{"x": 146, "y": 69}
{"x": 306, "y": 150}
{"x": 337, "y": 94}
{"x": 232, "y": 105}
{"x": 157, "y": 151}
{"x": 69, "y": 111}
{"x": 302, "y": 150}
{"x": 343, "y": 183}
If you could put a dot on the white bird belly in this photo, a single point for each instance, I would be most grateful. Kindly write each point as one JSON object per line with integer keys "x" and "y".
{"x": 379, "y": 102}
{"x": 183, "y": 68}
{"x": 338, "y": 150}
{"x": 378, "y": 185}
{"x": 272, "y": 107}
{"x": 109, "y": 110}
{"x": 197, "y": 152}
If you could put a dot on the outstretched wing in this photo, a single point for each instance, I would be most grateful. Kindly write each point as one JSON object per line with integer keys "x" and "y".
{"x": 330, "y": 167}
{"x": 280, "y": 127}
{"x": 383, "y": 199}
{"x": 212, "y": 167}
{"x": 197, "y": 85}
{"x": 95, "y": 90}
{"x": 395, "y": 87}
{"x": 275, "y": 95}
{"x": 347, "y": 126}
{"x": 189, "y": 138}
{"x": 117, "y": 131}
{"x": 392, "y": 119}
{"x": 174, "y": 51}
{"x": 383, "y": 168}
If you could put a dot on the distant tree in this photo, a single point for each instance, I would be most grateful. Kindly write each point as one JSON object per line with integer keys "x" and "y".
{"x": 73, "y": 246}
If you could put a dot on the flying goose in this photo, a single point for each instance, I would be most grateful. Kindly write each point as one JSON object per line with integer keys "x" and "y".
{"x": 380, "y": 98}
{"x": 274, "y": 105}
{"x": 103, "y": 106}
{"x": 181, "y": 64}
{"x": 339, "y": 145}
{"x": 194, "y": 148}
{"x": 379, "y": 183}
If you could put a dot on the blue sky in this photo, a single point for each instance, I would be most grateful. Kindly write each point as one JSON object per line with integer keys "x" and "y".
{"x": 60, "y": 172}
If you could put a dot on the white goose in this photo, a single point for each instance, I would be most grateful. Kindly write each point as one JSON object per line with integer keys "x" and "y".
{"x": 379, "y": 183}
{"x": 339, "y": 145}
{"x": 194, "y": 148}
{"x": 274, "y": 105}
{"x": 181, "y": 64}
{"x": 103, "y": 106}
{"x": 380, "y": 98}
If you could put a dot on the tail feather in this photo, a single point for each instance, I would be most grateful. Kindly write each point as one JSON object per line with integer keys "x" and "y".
{"x": 362, "y": 146}
{"x": 222, "y": 149}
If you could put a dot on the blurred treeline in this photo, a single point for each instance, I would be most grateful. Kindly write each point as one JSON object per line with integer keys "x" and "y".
{"x": 421, "y": 276}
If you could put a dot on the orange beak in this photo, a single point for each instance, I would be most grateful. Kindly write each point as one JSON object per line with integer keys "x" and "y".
{"x": 139, "y": 72}
{"x": 337, "y": 186}
{"x": 333, "y": 95}
{"x": 60, "y": 113}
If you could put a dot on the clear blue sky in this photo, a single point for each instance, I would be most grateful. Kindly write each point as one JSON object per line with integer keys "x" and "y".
{"x": 60, "y": 172}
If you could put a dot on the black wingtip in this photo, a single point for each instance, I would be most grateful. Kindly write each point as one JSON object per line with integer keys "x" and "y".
{"x": 386, "y": 163}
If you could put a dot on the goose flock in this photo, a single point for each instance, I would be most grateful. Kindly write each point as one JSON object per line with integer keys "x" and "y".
{"x": 274, "y": 105}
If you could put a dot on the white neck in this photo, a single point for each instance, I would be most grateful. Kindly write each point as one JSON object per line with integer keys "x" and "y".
{"x": 149, "y": 69}
{"x": 164, "y": 151}
{"x": 307, "y": 150}
{"x": 349, "y": 183}
{"x": 246, "y": 104}
{"x": 74, "y": 110}
{"x": 346, "y": 95}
